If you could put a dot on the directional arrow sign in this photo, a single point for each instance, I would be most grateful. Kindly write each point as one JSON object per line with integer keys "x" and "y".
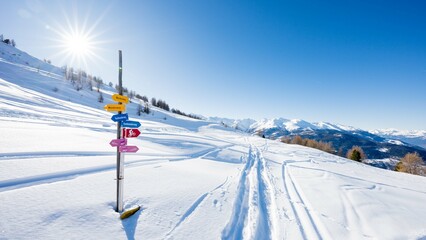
{"x": 120, "y": 117}
{"x": 130, "y": 133}
{"x": 128, "y": 149}
{"x": 115, "y": 107}
{"x": 118, "y": 142}
{"x": 131, "y": 124}
{"x": 120, "y": 98}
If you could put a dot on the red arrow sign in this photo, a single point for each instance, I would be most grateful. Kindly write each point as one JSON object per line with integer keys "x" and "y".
{"x": 118, "y": 142}
{"x": 128, "y": 149}
{"x": 130, "y": 133}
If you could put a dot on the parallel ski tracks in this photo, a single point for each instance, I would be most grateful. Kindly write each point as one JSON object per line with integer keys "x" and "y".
{"x": 309, "y": 224}
{"x": 254, "y": 211}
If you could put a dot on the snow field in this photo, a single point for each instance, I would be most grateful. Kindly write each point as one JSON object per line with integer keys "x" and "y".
{"x": 194, "y": 179}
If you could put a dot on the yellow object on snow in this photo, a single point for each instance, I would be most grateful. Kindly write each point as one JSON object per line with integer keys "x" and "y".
{"x": 129, "y": 212}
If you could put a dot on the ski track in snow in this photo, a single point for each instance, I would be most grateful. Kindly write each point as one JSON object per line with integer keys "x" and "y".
{"x": 32, "y": 155}
{"x": 18, "y": 183}
{"x": 309, "y": 224}
{"x": 253, "y": 215}
{"x": 193, "y": 207}
{"x": 206, "y": 152}
{"x": 189, "y": 211}
{"x": 373, "y": 183}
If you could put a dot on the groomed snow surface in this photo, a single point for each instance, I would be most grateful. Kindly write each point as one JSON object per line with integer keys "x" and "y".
{"x": 193, "y": 179}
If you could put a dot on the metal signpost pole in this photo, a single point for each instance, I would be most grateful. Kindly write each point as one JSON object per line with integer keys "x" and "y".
{"x": 120, "y": 157}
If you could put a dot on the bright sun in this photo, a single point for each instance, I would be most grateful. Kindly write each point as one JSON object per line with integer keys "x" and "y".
{"x": 77, "y": 44}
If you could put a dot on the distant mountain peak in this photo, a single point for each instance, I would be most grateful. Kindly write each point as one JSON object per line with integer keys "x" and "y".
{"x": 397, "y": 143}
{"x": 396, "y": 132}
{"x": 415, "y": 137}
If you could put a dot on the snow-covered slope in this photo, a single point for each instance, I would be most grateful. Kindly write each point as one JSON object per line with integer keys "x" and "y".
{"x": 194, "y": 179}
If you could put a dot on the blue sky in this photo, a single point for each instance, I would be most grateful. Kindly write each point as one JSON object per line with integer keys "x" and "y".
{"x": 358, "y": 63}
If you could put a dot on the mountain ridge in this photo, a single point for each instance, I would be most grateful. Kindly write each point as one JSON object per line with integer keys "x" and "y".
{"x": 377, "y": 146}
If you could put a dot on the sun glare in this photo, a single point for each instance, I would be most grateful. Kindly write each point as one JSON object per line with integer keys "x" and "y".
{"x": 77, "y": 44}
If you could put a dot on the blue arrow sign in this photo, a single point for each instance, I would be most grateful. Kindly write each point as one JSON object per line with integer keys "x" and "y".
{"x": 120, "y": 117}
{"x": 131, "y": 124}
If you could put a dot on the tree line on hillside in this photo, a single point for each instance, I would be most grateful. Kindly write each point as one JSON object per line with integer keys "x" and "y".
{"x": 177, "y": 111}
{"x": 8, "y": 41}
{"x": 143, "y": 106}
{"x": 411, "y": 163}
{"x": 80, "y": 80}
{"x": 323, "y": 146}
{"x": 160, "y": 104}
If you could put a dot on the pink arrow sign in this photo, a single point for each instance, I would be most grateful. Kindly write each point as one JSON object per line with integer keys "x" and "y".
{"x": 128, "y": 149}
{"x": 118, "y": 142}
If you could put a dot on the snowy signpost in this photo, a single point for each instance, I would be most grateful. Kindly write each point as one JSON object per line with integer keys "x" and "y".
{"x": 118, "y": 142}
{"x": 131, "y": 124}
{"x": 120, "y": 99}
{"x": 130, "y": 133}
{"x": 115, "y": 107}
{"x": 122, "y": 134}
{"x": 120, "y": 117}
{"x": 128, "y": 149}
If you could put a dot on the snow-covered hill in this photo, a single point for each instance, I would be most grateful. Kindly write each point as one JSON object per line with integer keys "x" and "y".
{"x": 194, "y": 179}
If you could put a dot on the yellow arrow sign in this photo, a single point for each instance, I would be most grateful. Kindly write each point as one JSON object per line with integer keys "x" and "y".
{"x": 115, "y": 107}
{"x": 120, "y": 98}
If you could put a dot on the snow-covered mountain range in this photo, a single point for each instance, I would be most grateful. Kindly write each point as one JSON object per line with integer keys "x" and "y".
{"x": 415, "y": 137}
{"x": 194, "y": 179}
{"x": 289, "y": 125}
{"x": 377, "y": 144}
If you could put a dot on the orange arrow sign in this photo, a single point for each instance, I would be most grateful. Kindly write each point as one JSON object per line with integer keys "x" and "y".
{"x": 120, "y": 98}
{"x": 115, "y": 107}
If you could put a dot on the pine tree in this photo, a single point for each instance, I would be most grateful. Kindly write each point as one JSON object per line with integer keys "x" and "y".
{"x": 140, "y": 109}
{"x": 101, "y": 98}
{"x": 154, "y": 102}
{"x": 356, "y": 153}
{"x": 89, "y": 81}
{"x": 98, "y": 84}
{"x": 146, "y": 108}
